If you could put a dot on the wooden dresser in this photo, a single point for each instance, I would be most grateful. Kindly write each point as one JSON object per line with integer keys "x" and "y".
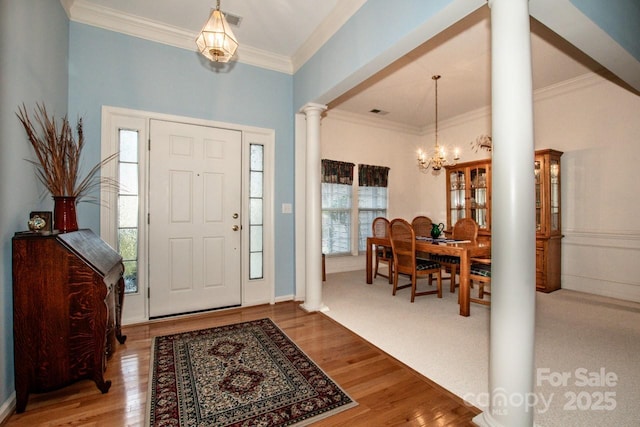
{"x": 67, "y": 300}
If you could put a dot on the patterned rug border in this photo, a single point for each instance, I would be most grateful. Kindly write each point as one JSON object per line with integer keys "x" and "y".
{"x": 301, "y": 423}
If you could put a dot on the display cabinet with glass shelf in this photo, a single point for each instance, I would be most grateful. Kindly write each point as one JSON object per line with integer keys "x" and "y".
{"x": 548, "y": 220}
{"x": 468, "y": 189}
{"x": 469, "y": 195}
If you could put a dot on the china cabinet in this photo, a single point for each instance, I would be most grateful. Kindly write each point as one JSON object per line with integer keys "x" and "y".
{"x": 469, "y": 195}
{"x": 548, "y": 220}
{"x": 67, "y": 300}
{"x": 468, "y": 190}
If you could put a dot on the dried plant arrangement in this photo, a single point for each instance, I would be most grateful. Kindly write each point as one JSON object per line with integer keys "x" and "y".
{"x": 58, "y": 155}
{"x": 483, "y": 142}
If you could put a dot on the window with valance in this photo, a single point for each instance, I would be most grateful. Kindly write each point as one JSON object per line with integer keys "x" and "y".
{"x": 372, "y": 199}
{"x": 373, "y": 176}
{"x": 340, "y": 211}
{"x": 335, "y": 172}
{"x": 337, "y": 194}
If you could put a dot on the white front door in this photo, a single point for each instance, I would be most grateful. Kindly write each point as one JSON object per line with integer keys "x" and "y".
{"x": 195, "y": 218}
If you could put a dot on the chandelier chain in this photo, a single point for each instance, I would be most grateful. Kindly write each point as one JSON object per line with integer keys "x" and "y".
{"x": 436, "y": 78}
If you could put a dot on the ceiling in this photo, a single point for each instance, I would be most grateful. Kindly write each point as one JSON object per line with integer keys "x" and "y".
{"x": 461, "y": 55}
{"x": 291, "y": 30}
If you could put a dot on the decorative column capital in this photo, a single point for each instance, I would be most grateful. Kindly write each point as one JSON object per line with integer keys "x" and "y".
{"x": 312, "y": 108}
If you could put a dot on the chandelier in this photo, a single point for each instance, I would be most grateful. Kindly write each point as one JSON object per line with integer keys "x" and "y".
{"x": 216, "y": 40}
{"x": 439, "y": 157}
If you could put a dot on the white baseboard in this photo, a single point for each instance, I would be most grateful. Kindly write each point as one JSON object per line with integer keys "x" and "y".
{"x": 7, "y": 408}
{"x": 284, "y": 298}
{"x": 602, "y": 287}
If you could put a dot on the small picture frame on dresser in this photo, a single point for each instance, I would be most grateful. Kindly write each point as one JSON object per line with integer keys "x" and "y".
{"x": 40, "y": 221}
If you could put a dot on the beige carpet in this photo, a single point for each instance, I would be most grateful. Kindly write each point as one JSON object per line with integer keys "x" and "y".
{"x": 578, "y": 335}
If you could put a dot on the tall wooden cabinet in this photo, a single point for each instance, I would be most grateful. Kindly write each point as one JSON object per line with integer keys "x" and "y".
{"x": 67, "y": 299}
{"x": 469, "y": 195}
{"x": 468, "y": 190}
{"x": 548, "y": 220}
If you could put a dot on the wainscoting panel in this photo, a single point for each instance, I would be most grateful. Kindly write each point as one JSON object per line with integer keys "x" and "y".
{"x": 602, "y": 263}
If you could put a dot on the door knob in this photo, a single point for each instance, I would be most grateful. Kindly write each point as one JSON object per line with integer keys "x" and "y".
{"x": 235, "y": 228}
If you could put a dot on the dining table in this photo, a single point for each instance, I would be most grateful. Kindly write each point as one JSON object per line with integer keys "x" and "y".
{"x": 463, "y": 249}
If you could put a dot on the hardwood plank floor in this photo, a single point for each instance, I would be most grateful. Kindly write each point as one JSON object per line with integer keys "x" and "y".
{"x": 388, "y": 392}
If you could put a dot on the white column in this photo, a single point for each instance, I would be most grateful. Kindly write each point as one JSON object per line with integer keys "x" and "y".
{"x": 313, "y": 233}
{"x": 513, "y": 275}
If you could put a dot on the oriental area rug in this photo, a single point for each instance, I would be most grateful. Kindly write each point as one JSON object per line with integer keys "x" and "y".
{"x": 244, "y": 374}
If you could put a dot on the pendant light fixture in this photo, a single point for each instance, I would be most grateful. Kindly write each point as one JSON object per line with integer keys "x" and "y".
{"x": 438, "y": 160}
{"x": 216, "y": 40}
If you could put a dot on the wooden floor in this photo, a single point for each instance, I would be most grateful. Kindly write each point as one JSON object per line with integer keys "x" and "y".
{"x": 388, "y": 393}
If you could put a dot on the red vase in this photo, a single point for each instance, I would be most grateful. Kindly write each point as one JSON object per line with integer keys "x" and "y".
{"x": 64, "y": 214}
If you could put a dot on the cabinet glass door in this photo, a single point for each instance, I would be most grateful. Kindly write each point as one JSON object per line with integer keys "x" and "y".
{"x": 538, "y": 177}
{"x": 457, "y": 195}
{"x": 554, "y": 202}
{"x": 478, "y": 196}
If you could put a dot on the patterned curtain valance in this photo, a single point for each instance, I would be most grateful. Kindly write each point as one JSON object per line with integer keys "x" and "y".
{"x": 373, "y": 176}
{"x": 335, "y": 172}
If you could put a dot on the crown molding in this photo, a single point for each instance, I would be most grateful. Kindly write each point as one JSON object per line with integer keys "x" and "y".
{"x": 581, "y": 82}
{"x": 66, "y": 5}
{"x": 452, "y": 122}
{"x": 261, "y": 58}
{"x": 572, "y": 85}
{"x": 361, "y": 119}
{"x": 109, "y": 19}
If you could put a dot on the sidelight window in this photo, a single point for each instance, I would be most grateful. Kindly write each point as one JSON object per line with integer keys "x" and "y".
{"x": 256, "y": 211}
{"x": 128, "y": 205}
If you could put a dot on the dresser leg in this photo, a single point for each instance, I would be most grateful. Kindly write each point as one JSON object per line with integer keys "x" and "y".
{"x": 103, "y": 385}
{"x": 121, "y": 338}
{"x": 22, "y": 396}
{"x": 119, "y": 302}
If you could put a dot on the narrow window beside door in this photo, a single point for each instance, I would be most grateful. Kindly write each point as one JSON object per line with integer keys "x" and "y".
{"x": 128, "y": 202}
{"x": 256, "y": 217}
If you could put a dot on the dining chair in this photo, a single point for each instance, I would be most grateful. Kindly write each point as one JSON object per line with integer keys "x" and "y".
{"x": 403, "y": 244}
{"x": 380, "y": 228}
{"x": 464, "y": 229}
{"x": 422, "y": 225}
{"x": 480, "y": 272}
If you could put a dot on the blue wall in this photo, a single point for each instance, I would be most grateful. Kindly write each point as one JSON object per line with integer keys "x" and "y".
{"x": 620, "y": 19}
{"x": 108, "y": 68}
{"x": 33, "y": 69}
